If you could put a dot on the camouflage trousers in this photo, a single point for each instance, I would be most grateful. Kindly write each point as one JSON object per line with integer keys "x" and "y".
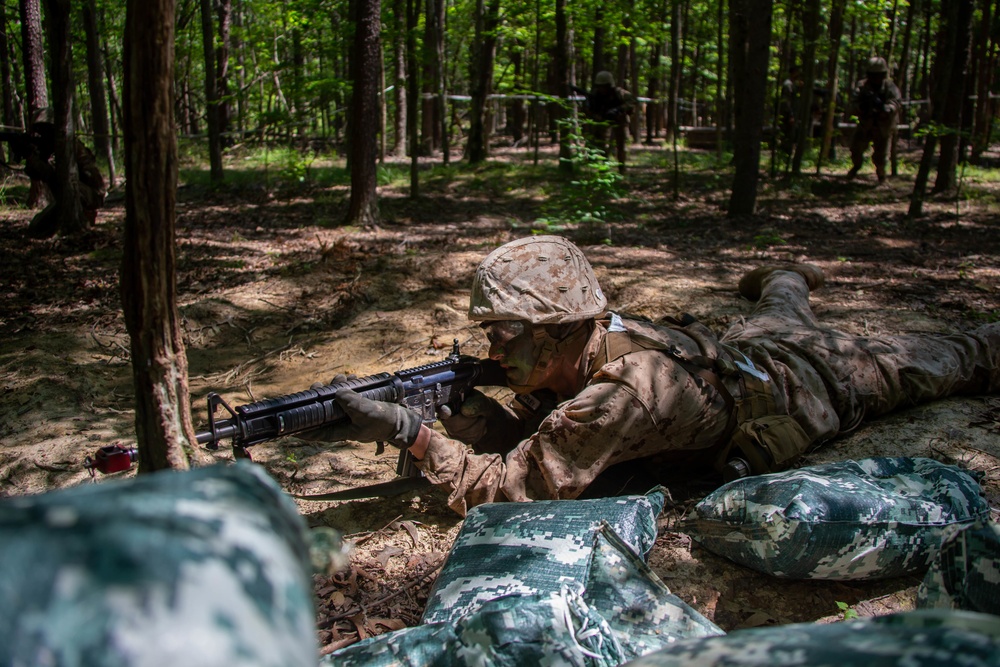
{"x": 829, "y": 380}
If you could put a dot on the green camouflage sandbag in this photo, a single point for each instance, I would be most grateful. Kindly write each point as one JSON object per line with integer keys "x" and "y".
{"x": 528, "y": 548}
{"x": 206, "y": 567}
{"x": 620, "y": 611}
{"x": 925, "y": 638}
{"x": 966, "y": 572}
{"x": 867, "y": 519}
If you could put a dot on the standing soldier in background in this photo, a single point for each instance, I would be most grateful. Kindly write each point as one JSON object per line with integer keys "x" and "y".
{"x": 609, "y": 106}
{"x": 791, "y": 90}
{"x": 39, "y": 166}
{"x": 876, "y": 103}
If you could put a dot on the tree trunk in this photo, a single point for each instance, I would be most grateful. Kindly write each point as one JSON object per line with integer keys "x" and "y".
{"x": 211, "y": 93}
{"x": 561, "y": 80}
{"x": 481, "y": 77}
{"x": 904, "y": 58}
{"x": 366, "y": 53}
{"x": 399, "y": 77}
{"x": 832, "y": 79}
{"x": 986, "y": 59}
{"x": 149, "y": 290}
{"x": 719, "y": 72}
{"x": 224, "y": 10}
{"x": 750, "y": 34}
{"x": 675, "y": 68}
{"x": 433, "y": 62}
{"x": 412, "y": 86}
{"x": 36, "y": 94}
{"x": 6, "y": 83}
{"x": 98, "y": 95}
{"x": 600, "y": 31}
{"x": 810, "y": 37}
{"x": 955, "y": 101}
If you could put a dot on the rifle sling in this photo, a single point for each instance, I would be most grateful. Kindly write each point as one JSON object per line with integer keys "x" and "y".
{"x": 394, "y": 487}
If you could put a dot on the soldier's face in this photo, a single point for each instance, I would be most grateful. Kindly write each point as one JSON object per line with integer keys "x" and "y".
{"x": 513, "y": 345}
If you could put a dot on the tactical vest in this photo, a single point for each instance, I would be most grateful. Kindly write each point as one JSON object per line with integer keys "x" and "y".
{"x": 758, "y": 438}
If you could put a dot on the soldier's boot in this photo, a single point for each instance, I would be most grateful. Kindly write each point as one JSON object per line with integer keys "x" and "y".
{"x": 751, "y": 283}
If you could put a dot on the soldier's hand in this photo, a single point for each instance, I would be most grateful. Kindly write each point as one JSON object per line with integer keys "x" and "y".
{"x": 888, "y": 109}
{"x": 337, "y": 379}
{"x": 478, "y": 414}
{"x": 370, "y": 421}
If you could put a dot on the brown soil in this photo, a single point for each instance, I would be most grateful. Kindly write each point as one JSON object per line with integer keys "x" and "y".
{"x": 274, "y": 296}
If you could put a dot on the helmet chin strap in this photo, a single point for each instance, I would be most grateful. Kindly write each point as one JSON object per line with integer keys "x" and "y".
{"x": 550, "y": 347}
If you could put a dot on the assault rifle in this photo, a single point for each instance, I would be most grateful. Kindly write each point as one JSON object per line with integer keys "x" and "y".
{"x": 870, "y": 103}
{"x": 423, "y": 389}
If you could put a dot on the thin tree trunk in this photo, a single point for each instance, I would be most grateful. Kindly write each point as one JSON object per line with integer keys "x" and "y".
{"x": 224, "y": 11}
{"x": 95, "y": 82}
{"x": 562, "y": 63}
{"x": 149, "y": 286}
{"x": 986, "y": 58}
{"x": 211, "y": 94}
{"x": 832, "y": 78}
{"x": 719, "y": 71}
{"x": 6, "y": 83}
{"x": 363, "y": 207}
{"x": 412, "y": 87}
{"x": 750, "y": 34}
{"x": 399, "y": 78}
{"x": 675, "y": 68}
{"x": 600, "y": 31}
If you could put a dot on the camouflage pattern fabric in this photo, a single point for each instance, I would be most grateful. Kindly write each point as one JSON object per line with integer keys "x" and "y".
{"x": 544, "y": 583}
{"x": 207, "y": 567}
{"x": 966, "y": 572}
{"x": 867, "y": 519}
{"x": 527, "y": 548}
{"x": 925, "y": 638}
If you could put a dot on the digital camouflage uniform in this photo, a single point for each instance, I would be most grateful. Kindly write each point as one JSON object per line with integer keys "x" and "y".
{"x": 661, "y": 395}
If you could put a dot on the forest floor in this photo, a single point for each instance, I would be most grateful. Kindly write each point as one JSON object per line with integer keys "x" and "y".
{"x": 275, "y": 294}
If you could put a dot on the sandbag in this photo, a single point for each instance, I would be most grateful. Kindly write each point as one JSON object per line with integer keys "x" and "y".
{"x": 205, "y": 567}
{"x": 924, "y": 638}
{"x": 868, "y": 519}
{"x": 541, "y": 583}
{"x": 966, "y": 572}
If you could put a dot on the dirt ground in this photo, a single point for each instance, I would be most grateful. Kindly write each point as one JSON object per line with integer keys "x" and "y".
{"x": 275, "y": 295}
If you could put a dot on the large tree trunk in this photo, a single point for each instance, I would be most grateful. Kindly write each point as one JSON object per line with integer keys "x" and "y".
{"x": 750, "y": 34}
{"x": 363, "y": 208}
{"x": 95, "y": 84}
{"x": 149, "y": 287}
{"x": 481, "y": 77}
{"x": 955, "y": 102}
{"x": 211, "y": 93}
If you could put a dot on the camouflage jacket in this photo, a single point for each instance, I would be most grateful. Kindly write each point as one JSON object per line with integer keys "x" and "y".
{"x": 868, "y": 103}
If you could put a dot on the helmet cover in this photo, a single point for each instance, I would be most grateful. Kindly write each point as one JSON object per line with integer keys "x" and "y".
{"x": 604, "y": 78}
{"x": 539, "y": 279}
{"x": 877, "y": 66}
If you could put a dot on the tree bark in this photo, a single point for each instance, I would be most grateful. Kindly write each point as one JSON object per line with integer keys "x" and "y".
{"x": 481, "y": 77}
{"x": 412, "y": 86}
{"x": 955, "y": 101}
{"x": 674, "y": 89}
{"x": 811, "y": 34}
{"x": 149, "y": 291}
{"x": 399, "y": 77}
{"x": 98, "y": 95}
{"x": 224, "y": 11}
{"x": 750, "y": 33}
{"x": 211, "y": 93}
{"x": 6, "y": 83}
{"x": 832, "y": 79}
{"x": 561, "y": 81}
{"x": 36, "y": 95}
{"x": 363, "y": 208}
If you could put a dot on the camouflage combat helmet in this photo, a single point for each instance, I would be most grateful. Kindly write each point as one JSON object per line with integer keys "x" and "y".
{"x": 540, "y": 279}
{"x": 877, "y": 65}
{"x": 604, "y": 78}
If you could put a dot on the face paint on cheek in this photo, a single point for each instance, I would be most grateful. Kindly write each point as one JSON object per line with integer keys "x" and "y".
{"x": 522, "y": 355}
